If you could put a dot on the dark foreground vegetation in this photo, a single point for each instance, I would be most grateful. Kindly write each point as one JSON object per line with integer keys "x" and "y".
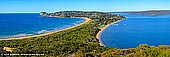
{"x": 81, "y": 41}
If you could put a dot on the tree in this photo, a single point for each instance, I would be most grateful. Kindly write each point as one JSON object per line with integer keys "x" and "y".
{"x": 79, "y": 54}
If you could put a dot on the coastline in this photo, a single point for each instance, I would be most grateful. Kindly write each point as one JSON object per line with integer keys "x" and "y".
{"x": 86, "y": 20}
{"x": 102, "y": 29}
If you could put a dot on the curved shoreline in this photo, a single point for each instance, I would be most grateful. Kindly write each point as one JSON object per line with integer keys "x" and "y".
{"x": 102, "y": 29}
{"x": 86, "y": 20}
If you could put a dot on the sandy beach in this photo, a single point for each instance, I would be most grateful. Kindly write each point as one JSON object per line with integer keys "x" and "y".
{"x": 86, "y": 20}
{"x": 102, "y": 29}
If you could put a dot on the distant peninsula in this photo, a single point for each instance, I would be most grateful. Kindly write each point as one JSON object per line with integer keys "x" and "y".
{"x": 148, "y": 13}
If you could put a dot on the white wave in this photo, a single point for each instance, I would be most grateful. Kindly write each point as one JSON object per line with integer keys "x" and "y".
{"x": 42, "y": 32}
{"x": 75, "y": 24}
{"x": 66, "y": 26}
{"x": 79, "y": 21}
{"x": 115, "y": 24}
{"x": 19, "y": 35}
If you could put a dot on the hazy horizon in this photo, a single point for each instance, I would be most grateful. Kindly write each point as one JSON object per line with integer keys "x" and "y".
{"x": 76, "y": 10}
{"x": 36, "y": 6}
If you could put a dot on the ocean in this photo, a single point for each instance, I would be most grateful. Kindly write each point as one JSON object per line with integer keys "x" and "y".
{"x": 136, "y": 30}
{"x": 27, "y": 24}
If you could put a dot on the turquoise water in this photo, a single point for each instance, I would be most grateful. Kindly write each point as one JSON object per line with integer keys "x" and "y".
{"x": 25, "y": 24}
{"x": 138, "y": 29}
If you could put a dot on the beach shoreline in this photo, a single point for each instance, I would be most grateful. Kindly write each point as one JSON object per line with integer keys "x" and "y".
{"x": 101, "y": 30}
{"x": 24, "y": 37}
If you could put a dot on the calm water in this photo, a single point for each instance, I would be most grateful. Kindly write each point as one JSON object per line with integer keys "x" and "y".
{"x": 138, "y": 29}
{"x": 17, "y": 25}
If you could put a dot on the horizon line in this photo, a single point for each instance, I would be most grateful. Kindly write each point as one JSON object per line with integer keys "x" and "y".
{"x": 19, "y": 12}
{"x": 85, "y": 11}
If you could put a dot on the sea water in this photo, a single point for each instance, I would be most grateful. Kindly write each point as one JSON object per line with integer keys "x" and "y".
{"x": 136, "y": 30}
{"x": 27, "y": 24}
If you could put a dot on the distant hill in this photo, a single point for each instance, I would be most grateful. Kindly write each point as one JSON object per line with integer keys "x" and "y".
{"x": 148, "y": 13}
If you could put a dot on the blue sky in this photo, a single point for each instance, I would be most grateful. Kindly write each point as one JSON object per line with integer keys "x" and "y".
{"x": 83, "y": 5}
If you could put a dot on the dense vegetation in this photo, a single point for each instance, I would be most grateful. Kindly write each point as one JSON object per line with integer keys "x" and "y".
{"x": 81, "y": 41}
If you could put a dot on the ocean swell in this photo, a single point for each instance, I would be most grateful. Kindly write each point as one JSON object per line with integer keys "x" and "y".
{"x": 42, "y": 31}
